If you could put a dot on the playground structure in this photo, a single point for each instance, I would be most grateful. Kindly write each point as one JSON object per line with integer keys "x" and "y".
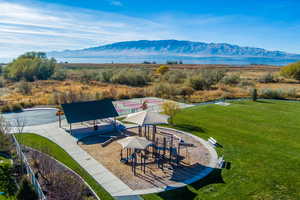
{"x": 165, "y": 150}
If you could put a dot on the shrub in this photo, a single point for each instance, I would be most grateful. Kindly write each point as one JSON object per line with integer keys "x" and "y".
{"x": 30, "y": 66}
{"x": 59, "y": 75}
{"x": 138, "y": 93}
{"x": 7, "y": 183}
{"x": 272, "y": 94}
{"x": 27, "y": 104}
{"x": 291, "y": 71}
{"x": 199, "y": 83}
{"x": 131, "y": 78}
{"x": 174, "y": 76}
{"x": 254, "y": 94}
{"x": 205, "y": 79}
{"x": 87, "y": 76}
{"x": 24, "y": 88}
{"x": 246, "y": 84}
{"x": 2, "y": 82}
{"x": 170, "y": 108}
{"x": 232, "y": 79}
{"x": 162, "y": 69}
{"x": 267, "y": 78}
{"x": 291, "y": 92}
{"x": 11, "y": 108}
{"x": 106, "y": 76}
{"x": 122, "y": 95}
{"x": 5, "y": 109}
{"x": 16, "y": 107}
{"x": 165, "y": 90}
{"x": 26, "y": 191}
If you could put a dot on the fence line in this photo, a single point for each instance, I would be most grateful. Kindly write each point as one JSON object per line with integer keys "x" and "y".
{"x": 37, "y": 187}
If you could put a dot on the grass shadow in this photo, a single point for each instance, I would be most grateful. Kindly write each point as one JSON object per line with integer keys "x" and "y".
{"x": 178, "y": 194}
{"x": 263, "y": 101}
{"x": 214, "y": 177}
{"x": 190, "y": 128}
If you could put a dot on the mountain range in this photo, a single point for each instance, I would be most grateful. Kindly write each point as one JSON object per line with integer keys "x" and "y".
{"x": 173, "y": 50}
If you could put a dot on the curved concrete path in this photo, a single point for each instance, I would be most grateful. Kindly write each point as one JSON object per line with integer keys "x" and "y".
{"x": 101, "y": 174}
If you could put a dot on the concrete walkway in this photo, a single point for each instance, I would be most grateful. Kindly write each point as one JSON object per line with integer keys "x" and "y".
{"x": 101, "y": 174}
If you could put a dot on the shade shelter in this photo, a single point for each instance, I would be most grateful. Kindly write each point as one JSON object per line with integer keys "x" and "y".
{"x": 89, "y": 111}
{"x": 134, "y": 142}
{"x": 147, "y": 118}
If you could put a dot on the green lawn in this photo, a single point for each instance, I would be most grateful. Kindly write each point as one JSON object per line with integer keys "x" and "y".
{"x": 42, "y": 144}
{"x": 262, "y": 142}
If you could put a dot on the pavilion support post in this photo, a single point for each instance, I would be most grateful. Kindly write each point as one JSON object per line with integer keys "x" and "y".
{"x": 144, "y": 164}
{"x": 178, "y": 154}
{"x": 71, "y": 128}
{"x": 165, "y": 144}
{"x": 171, "y": 149}
{"x": 140, "y": 131}
{"x": 115, "y": 123}
{"x": 154, "y": 132}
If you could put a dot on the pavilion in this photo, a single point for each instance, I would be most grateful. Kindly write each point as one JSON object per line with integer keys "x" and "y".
{"x": 80, "y": 112}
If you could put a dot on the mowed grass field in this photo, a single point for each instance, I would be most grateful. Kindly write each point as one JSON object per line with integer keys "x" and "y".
{"x": 262, "y": 142}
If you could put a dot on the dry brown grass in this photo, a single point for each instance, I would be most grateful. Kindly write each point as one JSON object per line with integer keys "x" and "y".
{"x": 42, "y": 91}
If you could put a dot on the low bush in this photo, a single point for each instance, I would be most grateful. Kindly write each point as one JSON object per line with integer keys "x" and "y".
{"x": 268, "y": 78}
{"x": 165, "y": 90}
{"x": 59, "y": 75}
{"x": 162, "y": 69}
{"x": 246, "y": 84}
{"x": 232, "y": 79}
{"x": 199, "y": 83}
{"x": 7, "y": 184}
{"x": 291, "y": 93}
{"x": 11, "y": 108}
{"x": 2, "y": 82}
{"x": 253, "y": 93}
{"x": 131, "y": 78}
{"x": 205, "y": 79}
{"x": 106, "y": 76}
{"x": 272, "y": 94}
{"x": 291, "y": 71}
{"x": 24, "y": 88}
{"x": 174, "y": 76}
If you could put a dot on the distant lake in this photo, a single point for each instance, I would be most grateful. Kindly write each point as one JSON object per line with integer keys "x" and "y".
{"x": 185, "y": 60}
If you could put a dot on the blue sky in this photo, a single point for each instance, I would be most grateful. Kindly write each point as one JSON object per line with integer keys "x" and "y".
{"x": 44, "y": 25}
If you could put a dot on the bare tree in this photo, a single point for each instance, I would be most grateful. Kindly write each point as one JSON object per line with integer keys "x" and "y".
{"x": 19, "y": 124}
{"x": 5, "y": 138}
{"x": 5, "y": 126}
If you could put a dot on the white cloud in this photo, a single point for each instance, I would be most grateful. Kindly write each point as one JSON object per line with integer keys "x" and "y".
{"x": 51, "y": 27}
{"x": 116, "y": 3}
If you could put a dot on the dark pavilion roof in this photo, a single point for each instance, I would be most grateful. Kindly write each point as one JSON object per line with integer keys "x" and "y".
{"x": 89, "y": 110}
